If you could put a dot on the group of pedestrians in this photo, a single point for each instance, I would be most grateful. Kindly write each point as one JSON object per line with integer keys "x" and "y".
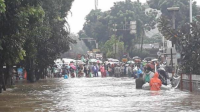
{"x": 81, "y": 70}
{"x": 148, "y": 73}
{"x": 154, "y": 76}
{"x": 124, "y": 70}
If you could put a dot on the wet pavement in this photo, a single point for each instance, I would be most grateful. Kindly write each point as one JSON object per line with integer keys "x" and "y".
{"x": 93, "y": 95}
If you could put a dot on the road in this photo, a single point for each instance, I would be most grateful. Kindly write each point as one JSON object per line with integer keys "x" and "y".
{"x": 93, "y": 95}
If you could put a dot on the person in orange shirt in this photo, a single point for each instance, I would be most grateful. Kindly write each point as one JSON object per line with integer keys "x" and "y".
{"x": 155, "y": 82}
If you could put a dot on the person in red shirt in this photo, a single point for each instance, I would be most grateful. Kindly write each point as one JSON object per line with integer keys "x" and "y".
{"x": 103, "y": 72}
{"x": 155, "y": 82}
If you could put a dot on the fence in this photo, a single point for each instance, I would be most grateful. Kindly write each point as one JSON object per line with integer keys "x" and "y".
{"x": 190, "y": 82}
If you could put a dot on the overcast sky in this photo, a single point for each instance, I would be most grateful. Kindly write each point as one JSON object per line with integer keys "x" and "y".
{"x": 80, "y": 8}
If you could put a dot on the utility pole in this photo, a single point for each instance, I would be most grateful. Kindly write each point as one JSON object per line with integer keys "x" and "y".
{"x": 173, "y": 10}
{"x": 133, "y": 25}
{"x": 96, "y": 4}
{"x": 190, "y": 11}
{"x": 142, "y": 41}
{"x": 190, "y": 15}
{"x": 115, "y": 30}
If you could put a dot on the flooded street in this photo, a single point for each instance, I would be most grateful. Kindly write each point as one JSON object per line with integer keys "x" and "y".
{"x": 93, "y": 95}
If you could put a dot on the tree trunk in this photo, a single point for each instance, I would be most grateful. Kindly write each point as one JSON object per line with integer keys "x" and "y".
{"x": 2, "y": 81}
{"x": 45, "y": 72}
{"x": 38, "y": 73}
{"x": 42, "y": 72}
{"x": 8, "y": 76}
{"x": 31, "y": 71}
{"x": 31, "y": 75}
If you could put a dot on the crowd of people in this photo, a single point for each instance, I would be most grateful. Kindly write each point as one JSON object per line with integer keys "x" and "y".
{"x": 154, "y": 76}
{"x": 150, "y": 72}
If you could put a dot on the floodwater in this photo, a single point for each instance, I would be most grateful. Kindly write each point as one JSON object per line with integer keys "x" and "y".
{"x": 93, "y": 95}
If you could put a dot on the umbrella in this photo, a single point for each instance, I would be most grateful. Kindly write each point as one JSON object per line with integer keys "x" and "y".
{"x": 130, "y": 62}
{"x": 92, "y": 60}
{"x": 136, "y": 57}
{"x": 154, "y": 60}
{"x": 99, "y": 61}
{"x": 139, "y": 71}
{"x": 81, "y": 63}
{"x": 74, "y": 67}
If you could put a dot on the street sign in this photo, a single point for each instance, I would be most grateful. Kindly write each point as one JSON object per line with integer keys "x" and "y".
{"x": 133, "y": 27}
{"x": 169, "y": 44}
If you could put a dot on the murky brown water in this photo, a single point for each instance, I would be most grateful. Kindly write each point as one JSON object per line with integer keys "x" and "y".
{"x": 93, "y": 95}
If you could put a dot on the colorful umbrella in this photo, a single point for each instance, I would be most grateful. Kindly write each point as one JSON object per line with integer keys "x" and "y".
{"x": 74, "y": 67}
{"x": 92, "y": 60}
{"x": 130, "y": 62}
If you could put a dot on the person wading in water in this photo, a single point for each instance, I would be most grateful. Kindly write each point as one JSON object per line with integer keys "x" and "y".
{"x": 155, "y": 82}
{"x": 139, "y": 82}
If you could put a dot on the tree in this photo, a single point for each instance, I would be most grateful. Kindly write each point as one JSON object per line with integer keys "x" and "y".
{"x": 109, "y": 47}
{"x": 99, "y": 25}
{"x": 33, "y": 33}
{"x": 2, "y": 6}
{"x": 186, "y": 43}
{"x": 48, "y": 39}
{"x": 182, "y": 16}
{"x": 14, "y": 21}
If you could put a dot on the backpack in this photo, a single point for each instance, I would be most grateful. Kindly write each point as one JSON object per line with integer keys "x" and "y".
{"x": 147, "y": 78}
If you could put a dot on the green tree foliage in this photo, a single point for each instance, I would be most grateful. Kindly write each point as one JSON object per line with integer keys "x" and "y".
{"x": 34, "y": 33}
{"x": 187, "y": 43}
{"x": 50, "y": 38}
{"x": 166, "y": 29}
{"x": 2, "y": 6}
{"x": 182, "y": 16}
{"x": 99, "y": 25}
{"x": 109, "y": 49}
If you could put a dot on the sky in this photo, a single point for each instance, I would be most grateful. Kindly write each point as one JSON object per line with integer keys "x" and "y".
{"x": 80, "y": 8}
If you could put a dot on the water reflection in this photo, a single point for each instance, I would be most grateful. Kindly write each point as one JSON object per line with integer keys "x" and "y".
{"x": 93, "y": 95}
